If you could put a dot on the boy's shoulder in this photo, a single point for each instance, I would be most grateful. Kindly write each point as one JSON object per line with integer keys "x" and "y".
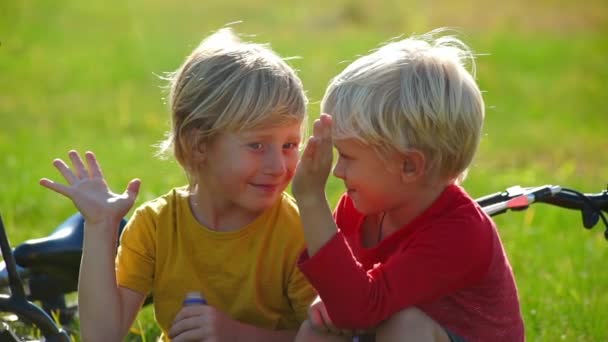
{"x": 287, "y": 207}
{"x": 173, "y": 197}
{"x": 458, "y": 216}
{"x": 288, "y": 201}
{"x": 455, "y": 202}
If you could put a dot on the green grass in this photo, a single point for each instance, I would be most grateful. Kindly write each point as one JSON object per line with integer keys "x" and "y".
{"x": 83, "y": 75}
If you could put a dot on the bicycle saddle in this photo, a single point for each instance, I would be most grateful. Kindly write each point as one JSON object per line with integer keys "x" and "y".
{"x": 60, "y": 250}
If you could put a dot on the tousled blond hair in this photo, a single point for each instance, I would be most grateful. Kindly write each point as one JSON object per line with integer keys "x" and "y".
{"x": 227, "y": 85}
{"x": 415, "y": 93}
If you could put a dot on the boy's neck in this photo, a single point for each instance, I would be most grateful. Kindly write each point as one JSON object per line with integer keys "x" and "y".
{"x": 413, "y": 206}
{"x": 221, "y": 217}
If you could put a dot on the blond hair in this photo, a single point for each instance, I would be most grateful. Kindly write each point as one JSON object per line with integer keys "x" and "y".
{"x": 227, "y": 85}
{"x": 415, "y": 93}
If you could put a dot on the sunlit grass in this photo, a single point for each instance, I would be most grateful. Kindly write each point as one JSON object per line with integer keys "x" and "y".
{"x": 84, "y": 75}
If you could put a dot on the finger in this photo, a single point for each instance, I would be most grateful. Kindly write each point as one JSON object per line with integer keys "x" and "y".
{"x": 185, "y": 328}
{"x": 327, "y": 122}
{"x": 198, "y": 334}
{"x": 328, "y": 323}
{"x": 65, "y": 171}
{"x": 58, "y": 188}
{"x": 317, "y": 321}
{"x": 330, "y": 327}
{"x": 133, "y": 188}
{"x": 322, "y": 130}
{"x": 94, "y": 168}
{"x": 347, "y": 332}
{"x": 309, "y": 150}
{"x": 81, "y": 171}
{"x": 326, "y": 119}
{"x": 190, "y": 311}
{"x": 317, "y": 128}
{"x": 183, "y": 321}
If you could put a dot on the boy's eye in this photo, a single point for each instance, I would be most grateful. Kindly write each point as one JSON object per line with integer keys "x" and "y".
{"x": 343, "y": 156}
{"x": 256, "y": 146}
{"x": 290, "y": 146}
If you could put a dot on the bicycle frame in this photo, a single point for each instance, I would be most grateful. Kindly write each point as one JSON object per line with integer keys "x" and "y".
{"x": 17, "y": 302}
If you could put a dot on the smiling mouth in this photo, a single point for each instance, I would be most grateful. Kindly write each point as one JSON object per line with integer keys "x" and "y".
{"x": 266, "y": 187}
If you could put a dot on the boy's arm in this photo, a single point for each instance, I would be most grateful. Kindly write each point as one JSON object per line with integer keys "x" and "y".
{"x": 434, "y": 266}
{"x": 106, "y": 312}
{"x": 308, "y": 186}
{"x": 301, "y": 295}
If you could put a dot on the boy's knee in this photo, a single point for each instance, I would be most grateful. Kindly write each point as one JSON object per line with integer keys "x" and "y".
{"x": 306, "y": 332}
{"x": 408, "y": 317}
{"x": 411, "y": 324}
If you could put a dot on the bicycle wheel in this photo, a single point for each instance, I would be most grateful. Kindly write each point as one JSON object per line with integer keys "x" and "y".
{"x": 22, "y": 320}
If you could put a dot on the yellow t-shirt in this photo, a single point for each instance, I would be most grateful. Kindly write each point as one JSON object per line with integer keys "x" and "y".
{"x": 250, "y": 274}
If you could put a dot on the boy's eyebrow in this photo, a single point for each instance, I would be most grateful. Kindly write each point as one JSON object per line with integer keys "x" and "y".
{"x": 339, "y": 150}
{"x": 264, "y": 135}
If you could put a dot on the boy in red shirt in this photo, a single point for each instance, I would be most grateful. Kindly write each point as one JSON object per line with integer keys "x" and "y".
{"x": 407, "y": 255}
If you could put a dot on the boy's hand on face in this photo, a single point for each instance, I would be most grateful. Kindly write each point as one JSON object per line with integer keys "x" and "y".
{"x": 203, "y": 323}
{"x": 315, "y": 164}
{"x": 88, "y": 189}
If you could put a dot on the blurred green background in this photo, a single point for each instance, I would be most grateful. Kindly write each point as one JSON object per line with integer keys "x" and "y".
{"x": 85, "y": 75}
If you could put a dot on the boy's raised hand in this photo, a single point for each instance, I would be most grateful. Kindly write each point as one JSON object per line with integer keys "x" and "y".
{"x": 89, "y": 191}
{"x": 315, "y": 164}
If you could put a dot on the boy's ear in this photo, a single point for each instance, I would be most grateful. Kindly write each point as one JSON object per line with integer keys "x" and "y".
{"x": 198, "y": 152}
{"x": 414, "y": 165}
{"x": 198, "y": 148}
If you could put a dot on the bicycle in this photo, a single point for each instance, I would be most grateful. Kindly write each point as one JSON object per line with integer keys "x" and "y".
{"x": 50, "y": 265}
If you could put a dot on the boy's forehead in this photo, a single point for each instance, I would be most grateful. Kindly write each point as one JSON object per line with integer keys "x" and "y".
{"x": 293, "y": 128}
{"x": 350, "y": 143}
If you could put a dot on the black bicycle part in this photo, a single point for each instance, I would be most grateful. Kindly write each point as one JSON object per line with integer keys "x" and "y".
{"x": 590, "y": 205}
{"x": 54, "y": 265}
{"x": 17, "y": 302}
{"x": 58, "y": 255}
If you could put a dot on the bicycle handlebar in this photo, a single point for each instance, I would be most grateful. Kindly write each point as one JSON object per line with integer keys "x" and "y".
{"x": 518, "y": 198}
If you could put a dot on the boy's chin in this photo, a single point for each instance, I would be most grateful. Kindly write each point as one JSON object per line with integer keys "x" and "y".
{"x": 365, "y": 210}
{"x": 265, "y": 202}
{"x": 360, "y": 208}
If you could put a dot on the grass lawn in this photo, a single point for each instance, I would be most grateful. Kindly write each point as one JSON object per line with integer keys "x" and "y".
{"x": 85, "y": 75}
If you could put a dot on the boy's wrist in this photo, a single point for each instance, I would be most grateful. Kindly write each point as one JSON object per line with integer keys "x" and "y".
{"x": 310, "y": 198}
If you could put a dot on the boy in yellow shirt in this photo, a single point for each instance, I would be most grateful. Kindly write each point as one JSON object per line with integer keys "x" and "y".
{"x": 231, "y": 234}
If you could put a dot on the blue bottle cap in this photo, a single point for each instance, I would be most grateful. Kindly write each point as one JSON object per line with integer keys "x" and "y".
{"x": 194, "y": 298}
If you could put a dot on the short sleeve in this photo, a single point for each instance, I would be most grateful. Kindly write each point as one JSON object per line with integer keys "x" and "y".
{"x": 136, "y": 253}
{"x": 301, "y": 294}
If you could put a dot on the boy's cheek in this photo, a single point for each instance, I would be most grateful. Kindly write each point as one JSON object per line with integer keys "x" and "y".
{"x": 291, "y": 165}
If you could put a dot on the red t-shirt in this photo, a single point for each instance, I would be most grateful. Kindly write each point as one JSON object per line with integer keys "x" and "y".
{"x": 449, "y": 262}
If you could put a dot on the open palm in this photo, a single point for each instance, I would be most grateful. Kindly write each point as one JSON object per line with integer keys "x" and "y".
{"x": 89, "y": 191}
{"x": 316, "y": 160}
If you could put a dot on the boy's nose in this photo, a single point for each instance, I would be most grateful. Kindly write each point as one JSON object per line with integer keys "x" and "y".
{"x": 339, "y": 170}
{"x": 275, "y": 162}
